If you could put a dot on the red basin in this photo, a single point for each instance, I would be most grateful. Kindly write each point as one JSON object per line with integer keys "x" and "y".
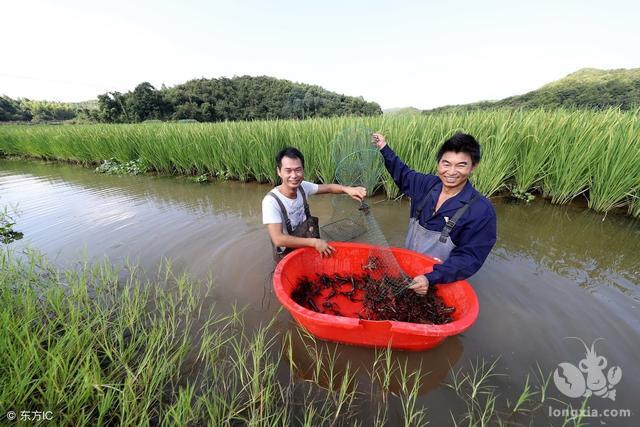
{"x": 349, "y": 329}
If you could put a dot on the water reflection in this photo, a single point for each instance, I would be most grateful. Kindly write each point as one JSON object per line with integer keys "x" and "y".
{"x": 435, "y": 364}
{"x": 586, "y": 247}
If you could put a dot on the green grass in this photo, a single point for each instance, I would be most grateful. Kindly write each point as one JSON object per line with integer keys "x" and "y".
{"x": 561, "y": 154}
{"x": 634, "y": 207}
{"x": 614, "y": 172}
{"x": 100, "y": 346}
{"x": 475, "y": 385}
{"x": 533, "y": 153}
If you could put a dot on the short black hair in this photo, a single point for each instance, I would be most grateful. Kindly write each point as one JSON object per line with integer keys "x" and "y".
{"x": 290, "y": 152}
{"x": 461, "y": 143}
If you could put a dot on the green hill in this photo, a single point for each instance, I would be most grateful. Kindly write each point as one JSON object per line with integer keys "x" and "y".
{"x": 228, "y": 99}
{"x": 586, "y": 88}
{"x": 203, "y": 100}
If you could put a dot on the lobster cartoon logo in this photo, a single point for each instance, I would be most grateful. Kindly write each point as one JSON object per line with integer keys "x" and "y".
{"x": 572, "y": 382}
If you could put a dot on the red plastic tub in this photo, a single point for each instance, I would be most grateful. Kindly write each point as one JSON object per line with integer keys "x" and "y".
{"x": 349, "y": 259}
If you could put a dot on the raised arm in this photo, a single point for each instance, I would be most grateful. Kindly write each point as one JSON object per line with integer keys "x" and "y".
{"x": 408, "y": 181}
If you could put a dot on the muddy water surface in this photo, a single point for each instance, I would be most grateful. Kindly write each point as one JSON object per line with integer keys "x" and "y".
{"x": 556, "y": 271}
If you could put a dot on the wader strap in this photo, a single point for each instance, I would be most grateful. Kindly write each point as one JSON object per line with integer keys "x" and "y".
{"x": 452, "y": 222}
{"x": 424, "y": 201}
{"x": 304, "y": 201}
{"x": 283, "y": 211}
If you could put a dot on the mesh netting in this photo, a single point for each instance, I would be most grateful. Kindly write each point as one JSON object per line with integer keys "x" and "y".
{"x": 367, "y": 282}
{"x": 358, "y": 161}
{"x": 360, "y": 164}
{"x": 345, "y": 224}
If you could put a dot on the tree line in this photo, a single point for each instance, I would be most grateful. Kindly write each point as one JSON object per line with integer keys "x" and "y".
{"x": 26, "y": 110}
{"x": 203, "y": 100}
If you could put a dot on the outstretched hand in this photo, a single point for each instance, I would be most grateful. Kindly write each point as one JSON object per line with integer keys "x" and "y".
{"x": 324, "y": 248}
{"x": 378, "y": 140}
{"x": 356, "y": 193}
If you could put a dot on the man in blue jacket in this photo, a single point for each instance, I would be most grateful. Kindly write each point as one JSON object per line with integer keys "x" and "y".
{"x": 449, "y": 220}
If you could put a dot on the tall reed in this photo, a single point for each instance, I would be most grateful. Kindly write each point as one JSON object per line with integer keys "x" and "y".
{"x": 562, "y": 154}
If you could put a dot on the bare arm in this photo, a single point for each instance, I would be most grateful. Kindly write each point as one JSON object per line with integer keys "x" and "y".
{"x": 281, "y": 239}
{"x": 357, "y": 193}
{"x": 408, "y": 181}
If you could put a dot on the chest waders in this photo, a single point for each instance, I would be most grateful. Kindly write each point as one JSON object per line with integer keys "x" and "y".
{"x": 307, "y": 228}
{"x": 436, "y": 244}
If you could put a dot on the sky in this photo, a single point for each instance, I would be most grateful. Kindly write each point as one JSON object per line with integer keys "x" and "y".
{"x": 397, "y": 53}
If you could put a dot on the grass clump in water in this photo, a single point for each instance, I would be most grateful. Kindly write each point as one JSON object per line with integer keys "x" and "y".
{"x": 7, "y": 232}
{"x": 200, "y": 179}
{"x": 83, "y": 345}
{"x": 98, "y": 346}
{"x": 525, "y": 196}
{"x": 114, "y": 167}
{"x": 475, "y": 386}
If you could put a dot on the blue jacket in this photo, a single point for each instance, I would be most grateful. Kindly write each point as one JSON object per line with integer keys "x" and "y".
{"x": 474, "y": 234}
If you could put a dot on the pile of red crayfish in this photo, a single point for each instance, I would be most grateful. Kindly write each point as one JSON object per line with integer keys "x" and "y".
{"x": 366, "y": 297}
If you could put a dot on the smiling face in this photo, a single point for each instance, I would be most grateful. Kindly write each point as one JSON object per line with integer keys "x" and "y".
{"x": 454, "y": 170}
{"x": 291, "y": 172}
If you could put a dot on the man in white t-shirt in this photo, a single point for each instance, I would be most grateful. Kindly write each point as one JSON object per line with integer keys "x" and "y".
{"x": 285, "y": 210}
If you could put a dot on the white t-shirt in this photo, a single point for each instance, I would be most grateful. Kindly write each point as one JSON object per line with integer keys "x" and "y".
{"x": 295, "y": 208}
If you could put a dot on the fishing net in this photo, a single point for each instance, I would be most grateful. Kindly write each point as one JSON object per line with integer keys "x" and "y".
{"x": 367, "y": 282}
{"x": 360, "y": 164}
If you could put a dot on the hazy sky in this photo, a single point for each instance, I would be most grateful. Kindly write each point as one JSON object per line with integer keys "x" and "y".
{"x": 397, "y": 53}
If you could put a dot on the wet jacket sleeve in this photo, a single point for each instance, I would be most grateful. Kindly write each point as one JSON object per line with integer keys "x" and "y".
{"x": 410, "y": 182}
{"x": 472, "y": 250}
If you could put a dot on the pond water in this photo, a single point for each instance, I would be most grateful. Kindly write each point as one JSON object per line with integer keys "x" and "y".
{"x": 556, "y": 271}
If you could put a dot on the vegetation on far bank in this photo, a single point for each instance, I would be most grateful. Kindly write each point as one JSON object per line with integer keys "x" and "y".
{"x": 560, "y": 154}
